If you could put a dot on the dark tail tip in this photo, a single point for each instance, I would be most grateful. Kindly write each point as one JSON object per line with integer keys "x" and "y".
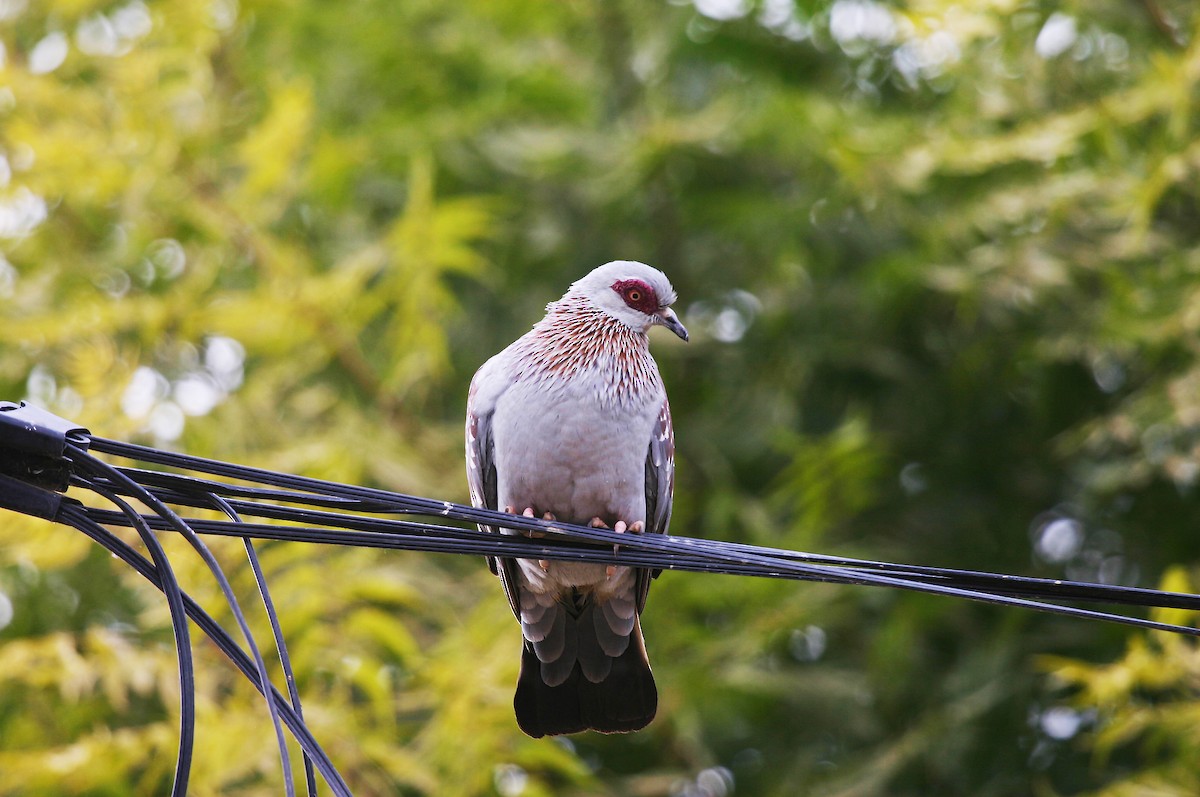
{"x": 625, "y": 701}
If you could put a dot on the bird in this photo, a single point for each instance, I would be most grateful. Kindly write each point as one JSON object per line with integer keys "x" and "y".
{"x": 571, "y": 423}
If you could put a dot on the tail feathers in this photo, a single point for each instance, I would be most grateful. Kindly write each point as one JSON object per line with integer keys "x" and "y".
{"x": 626, "y": 700}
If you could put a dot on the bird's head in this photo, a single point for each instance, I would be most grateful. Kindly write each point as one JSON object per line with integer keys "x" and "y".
{"x": 635, "y": 294}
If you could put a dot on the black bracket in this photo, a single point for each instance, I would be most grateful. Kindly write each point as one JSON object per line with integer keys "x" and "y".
{"x": 33, "y": 443}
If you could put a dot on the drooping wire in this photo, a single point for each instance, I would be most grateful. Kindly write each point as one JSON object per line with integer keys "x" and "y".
{"x": 169, "y": 585}
{"x": 285, "y": 660}
{"x": 107, "y": 472}
{"x": 79, "y": 517}
{"x": 284, "y": 757}
{"x": 206, "y": 555}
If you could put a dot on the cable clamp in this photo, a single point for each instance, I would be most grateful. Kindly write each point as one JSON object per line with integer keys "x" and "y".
{"x": 21, "y": 496}
{"x": 33, "y": 443}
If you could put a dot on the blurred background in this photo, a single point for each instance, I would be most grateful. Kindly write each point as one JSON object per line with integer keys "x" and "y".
{"x": 939, "y": 260}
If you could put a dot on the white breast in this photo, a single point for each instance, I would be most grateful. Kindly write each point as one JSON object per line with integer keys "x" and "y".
{"x": 561, "y": 449}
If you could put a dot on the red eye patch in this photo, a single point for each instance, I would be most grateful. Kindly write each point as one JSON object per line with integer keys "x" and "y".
{"x": 638, "y": 295}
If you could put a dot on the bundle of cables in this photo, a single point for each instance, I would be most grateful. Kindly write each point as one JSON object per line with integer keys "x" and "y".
{"x": 42, "y": 455}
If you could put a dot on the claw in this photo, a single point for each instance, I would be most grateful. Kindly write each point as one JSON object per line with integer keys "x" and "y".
{"x": 597, "y": 523}
{"x": 619, "y": 528}
{"x": 637, "y": 527}
{"x": 544, "y": 563}
{"x": 532, "y": 534}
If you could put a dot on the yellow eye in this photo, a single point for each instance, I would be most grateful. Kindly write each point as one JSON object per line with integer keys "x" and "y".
{"x": 635, "y": 295}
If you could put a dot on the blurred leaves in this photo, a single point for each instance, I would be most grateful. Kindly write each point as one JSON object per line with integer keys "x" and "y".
{"x": 827, "y": 482}
{"x": 940, "y": 265}
{"x": 1146, "y": 705}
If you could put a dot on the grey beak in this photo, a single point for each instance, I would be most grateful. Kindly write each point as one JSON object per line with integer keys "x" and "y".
{"x": 671, "y": 321}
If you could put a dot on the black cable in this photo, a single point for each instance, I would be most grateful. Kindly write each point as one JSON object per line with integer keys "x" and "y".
{"x": 285, "y": 660}
{"x": 79, "y": 517}
{"x": 349, "y": 515}
{"x": 104, "y": 470}
{"x": 169, "y": 585}
{"x": 285, "y": 758}
{"x": 181, "y": 487}
{"x": 408, "y": 535}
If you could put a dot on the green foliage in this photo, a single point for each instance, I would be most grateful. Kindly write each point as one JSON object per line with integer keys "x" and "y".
{"x": 1146, "y": 706}
{"x": 939, "y": 261}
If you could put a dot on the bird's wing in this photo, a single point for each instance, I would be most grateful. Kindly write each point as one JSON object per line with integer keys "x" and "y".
{"x": 481, "y": 475}
{"x": 660, "y": 488}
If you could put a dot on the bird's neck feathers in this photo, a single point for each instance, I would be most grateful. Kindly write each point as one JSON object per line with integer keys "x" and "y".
{"x": 576, "y": 338}
{"x": 575, "y": 311}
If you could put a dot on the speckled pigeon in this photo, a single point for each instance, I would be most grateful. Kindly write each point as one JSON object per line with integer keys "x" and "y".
{"x": 571, "y": 422}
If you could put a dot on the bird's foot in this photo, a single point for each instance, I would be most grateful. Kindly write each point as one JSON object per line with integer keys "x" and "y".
{"x": 528, "y": 513}
{"x": 620, "y": 527}
{"x": 512, "y": 510}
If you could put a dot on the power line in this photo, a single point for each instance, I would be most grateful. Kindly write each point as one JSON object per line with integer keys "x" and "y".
{"x": 41, "y": 456}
